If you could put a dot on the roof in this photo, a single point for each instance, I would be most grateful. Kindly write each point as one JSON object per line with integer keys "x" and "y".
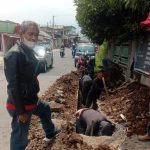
{"x": 12, "y": 35}
{"x": 68, "y": 27}
{"x": 45, "y": 35}
{"x": 8, "y": 21}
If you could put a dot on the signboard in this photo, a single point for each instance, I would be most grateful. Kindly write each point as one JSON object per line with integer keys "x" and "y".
{"x": 142, "y": 61}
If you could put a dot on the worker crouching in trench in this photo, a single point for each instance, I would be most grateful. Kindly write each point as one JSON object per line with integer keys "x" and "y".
{"x": 91, "y": 89}
{"x": 93, "y": 123}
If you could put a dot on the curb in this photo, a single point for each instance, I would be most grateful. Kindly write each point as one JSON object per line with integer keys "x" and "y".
{"x": 1, "y": 61}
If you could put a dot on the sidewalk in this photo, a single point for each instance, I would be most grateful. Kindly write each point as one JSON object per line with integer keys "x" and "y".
{"x": 1, "y": 61}
{"x": 4, "y": 117}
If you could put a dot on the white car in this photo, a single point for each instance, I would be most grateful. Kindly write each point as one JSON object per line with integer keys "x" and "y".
{"x": 45, "y": 56}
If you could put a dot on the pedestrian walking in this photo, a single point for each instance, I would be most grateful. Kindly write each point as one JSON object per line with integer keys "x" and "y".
{"x": 21, "y": 71}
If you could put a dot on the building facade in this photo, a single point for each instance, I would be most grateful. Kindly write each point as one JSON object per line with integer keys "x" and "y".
{"x": 61, "y": 34}
{"x": 8, "y": 35}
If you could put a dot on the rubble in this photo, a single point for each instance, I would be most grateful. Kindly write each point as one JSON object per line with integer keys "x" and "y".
{"x": 55, "y": 107}
{"x": 131, "y": 101}
{"x": 129, "y": 108}
{"x": 114, "y": 76}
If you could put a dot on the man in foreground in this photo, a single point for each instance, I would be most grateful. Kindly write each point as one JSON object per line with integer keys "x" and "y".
{"x": 21, "y": 71}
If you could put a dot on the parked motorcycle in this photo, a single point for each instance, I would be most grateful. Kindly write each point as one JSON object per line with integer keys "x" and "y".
{"x": 81, "y": 63}
{"x": 62, "y": 52}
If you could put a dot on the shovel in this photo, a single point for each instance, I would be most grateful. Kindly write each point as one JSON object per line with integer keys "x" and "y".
{"x": 103, "y": 79}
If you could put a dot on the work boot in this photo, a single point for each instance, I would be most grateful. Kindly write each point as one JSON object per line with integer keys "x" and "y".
{"x": 48, "y": 138}
{"x": 144, "y": 138}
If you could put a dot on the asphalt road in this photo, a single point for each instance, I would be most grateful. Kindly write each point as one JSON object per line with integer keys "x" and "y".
{"x": 61, "y": 66}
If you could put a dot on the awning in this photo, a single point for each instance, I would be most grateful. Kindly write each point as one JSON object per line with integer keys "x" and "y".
{"x": 146, "y": 22}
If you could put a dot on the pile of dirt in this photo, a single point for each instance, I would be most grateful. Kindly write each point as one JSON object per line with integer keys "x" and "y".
{"x": 114, "y": 76}
{"x": 64, "y": 92}
{"x": 129, "y": 106}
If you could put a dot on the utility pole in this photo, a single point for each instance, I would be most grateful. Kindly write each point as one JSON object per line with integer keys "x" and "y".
{"x": 53, "y": 31}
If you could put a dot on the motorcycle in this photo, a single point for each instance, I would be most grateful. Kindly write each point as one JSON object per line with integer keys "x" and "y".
{"x": 62, "y": 52}
{"x": 81, "y": 63}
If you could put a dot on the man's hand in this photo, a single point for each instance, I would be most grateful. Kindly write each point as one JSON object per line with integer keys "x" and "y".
{"x": 78, "y": 113}
{"x": 23, "y": 118}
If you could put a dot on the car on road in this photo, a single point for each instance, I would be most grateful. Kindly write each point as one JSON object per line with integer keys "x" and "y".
{"x": 86, "y": 50}
{"x": 45, "y": 56}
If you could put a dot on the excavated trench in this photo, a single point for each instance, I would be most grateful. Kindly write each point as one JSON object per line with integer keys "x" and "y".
{"x": 62, "y": 99}
{"x": 129, "y": 99}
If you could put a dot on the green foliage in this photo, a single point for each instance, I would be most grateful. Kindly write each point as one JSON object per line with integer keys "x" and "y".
{"x": 100, "y": 55}
{"x": 139, "y": 5}
{"x": 106, "y": 19}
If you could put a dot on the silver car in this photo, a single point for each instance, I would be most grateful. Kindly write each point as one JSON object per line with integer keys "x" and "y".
{"x": 45, "y": 56}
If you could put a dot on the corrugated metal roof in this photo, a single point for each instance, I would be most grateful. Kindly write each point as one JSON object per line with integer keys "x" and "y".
{"x": 42, "y": 33}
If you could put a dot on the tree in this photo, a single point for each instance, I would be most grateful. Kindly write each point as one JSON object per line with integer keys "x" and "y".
{"x": 107, "y": 19}
{"x": 139, "y": 5}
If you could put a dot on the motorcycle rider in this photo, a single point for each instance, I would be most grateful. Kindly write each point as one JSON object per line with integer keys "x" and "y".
{"x": 62, "y": 50}
{"x": 81, "y": 62}
{"x": 73, "y": 50}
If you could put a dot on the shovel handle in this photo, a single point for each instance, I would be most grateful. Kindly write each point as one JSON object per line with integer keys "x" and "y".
{"x": 105, "y": 87}
{"x": 103, "y": 79}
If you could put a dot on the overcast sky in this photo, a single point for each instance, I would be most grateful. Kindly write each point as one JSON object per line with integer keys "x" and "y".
{"x": 40, "y": 11}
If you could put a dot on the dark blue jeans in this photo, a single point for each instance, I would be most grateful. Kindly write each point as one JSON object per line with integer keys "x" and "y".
{"x": 19, "y": 134}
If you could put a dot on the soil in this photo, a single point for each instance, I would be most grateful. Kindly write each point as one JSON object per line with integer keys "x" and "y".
{"x": 130, "y": 100}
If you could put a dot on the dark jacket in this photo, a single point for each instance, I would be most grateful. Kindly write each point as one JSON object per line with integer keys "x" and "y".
{"x": 90, "y": 118}
{"x": 96, "y": 89}
{"x": 21, "y": 71}
{"x": 85, "y": 84}
{"x": 84, "y": 79}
